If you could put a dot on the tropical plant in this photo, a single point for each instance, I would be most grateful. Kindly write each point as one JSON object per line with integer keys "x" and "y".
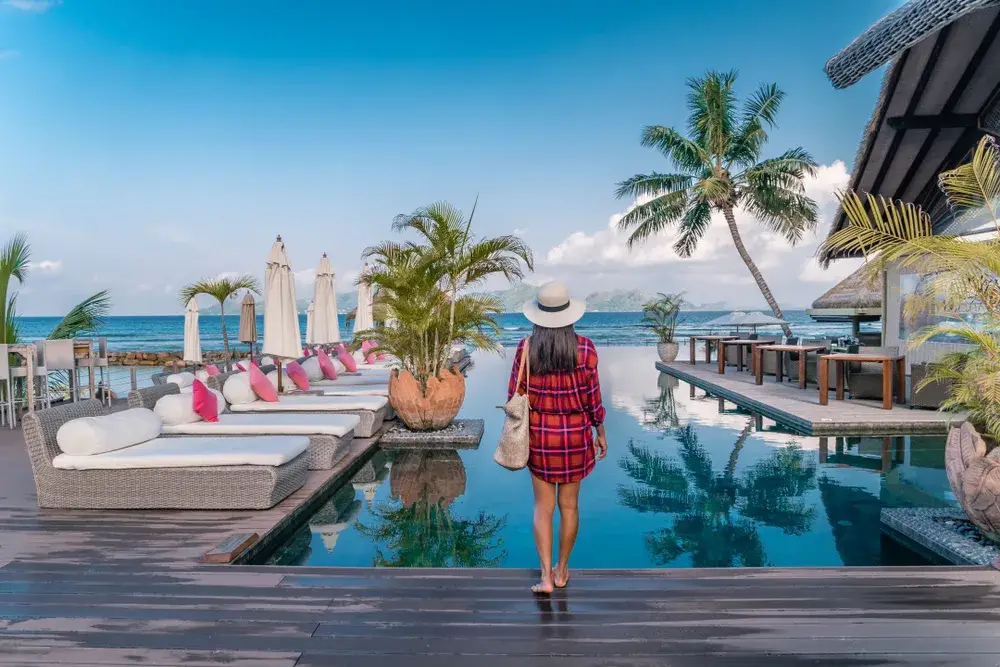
{"x": 86, "y": 317}
{"x": 421, "y": 288}
{"x": 462, "y": 260}
{"x": 15, "y": 258}
{"x": 660, "y": 315}
{"x": 719, "y": 169}
{"x": 963, "y": 276}
{"x": 716, "y": 516}
{"x": 221, "y": 288}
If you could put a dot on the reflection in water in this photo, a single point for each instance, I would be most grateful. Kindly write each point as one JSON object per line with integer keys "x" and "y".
{"x": 371, "y": 475}
{"x": 661, "y": 412}
{"x": 716, "y": 516}
{"x": 419, "y": 528}
{"x": 335, "y": 516}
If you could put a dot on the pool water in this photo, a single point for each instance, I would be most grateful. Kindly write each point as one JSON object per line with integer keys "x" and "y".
{"x": 689, "y": 481}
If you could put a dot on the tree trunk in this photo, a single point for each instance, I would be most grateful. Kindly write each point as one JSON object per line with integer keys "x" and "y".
{"x": 754, "y": 271}
{"x": 225, "y": 336}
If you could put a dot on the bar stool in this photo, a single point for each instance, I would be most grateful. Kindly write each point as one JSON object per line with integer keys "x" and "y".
{"x": 59, "y": 357}
{"x": 102, "y": 362}
{"x": 41, "y": 398}
{"x": 6, "y": 387}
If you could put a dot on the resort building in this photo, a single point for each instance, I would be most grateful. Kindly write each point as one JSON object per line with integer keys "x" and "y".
{"x": 939, "y": 97}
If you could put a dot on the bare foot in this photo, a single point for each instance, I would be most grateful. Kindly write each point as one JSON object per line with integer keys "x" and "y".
{"x": 543, "y": 587}
{"x": 560, "y": 576}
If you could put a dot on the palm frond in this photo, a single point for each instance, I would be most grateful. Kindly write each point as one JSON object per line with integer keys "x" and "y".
{"x": 712, "y": 106}
{"x": 695, "y": 223}
{"x": 15, "y": 258}
{"x": 85, "y": 318}
{"x": 652, "y": 185}
{"x": 653, "y": 217}
{"x": 975, "y": 186}
{"x": 221, "y": 288}
{"x": 684, "y": 153}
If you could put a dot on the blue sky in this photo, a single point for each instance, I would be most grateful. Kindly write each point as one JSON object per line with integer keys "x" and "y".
{"x": 148, "y": 144}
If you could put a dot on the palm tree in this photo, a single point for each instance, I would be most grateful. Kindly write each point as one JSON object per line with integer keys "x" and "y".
{"x": 716, "y": 516}
{"x": 221, "y": 288}
{"x": 719, "y": 168}
{"x": 15, "y": 258}
{"x": 464, "y": 261}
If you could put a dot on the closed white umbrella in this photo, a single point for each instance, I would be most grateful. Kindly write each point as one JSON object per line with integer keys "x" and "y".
{"x": 192, "y": 339}
{"x": 310, "y": 339}
{"x": 363, "y": 319}
{"x": 326, "y": 329}
{"x": 282, "y": 337}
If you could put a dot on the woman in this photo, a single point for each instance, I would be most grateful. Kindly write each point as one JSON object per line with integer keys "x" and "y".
{"x": 564, "y": 395}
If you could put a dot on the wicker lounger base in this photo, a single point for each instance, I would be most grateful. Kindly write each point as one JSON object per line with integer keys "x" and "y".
{"x": 325, "y": 451}
{"x": 208, "y": 488}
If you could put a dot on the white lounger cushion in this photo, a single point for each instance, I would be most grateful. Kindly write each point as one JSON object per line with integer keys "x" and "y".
{"x": 313, "y": 372}
{"x": 91, "y": 436}
{"x": 192, "y": 453}
{"x": 356, "y": 390}
{"x": 351, "y": 381}
{"x": 278, "y": 423}
{"x": 315, "y": 404}
{"x": 175, "y": 409}
{"x": 286, "y": 382}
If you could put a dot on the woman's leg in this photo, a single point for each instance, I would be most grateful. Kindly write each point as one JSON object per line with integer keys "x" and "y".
{"x": 569, "y": 524}
{"x": 545, "y": 506}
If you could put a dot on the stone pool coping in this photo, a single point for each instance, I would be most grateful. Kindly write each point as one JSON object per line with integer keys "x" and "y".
{"x": 928, "y": 527}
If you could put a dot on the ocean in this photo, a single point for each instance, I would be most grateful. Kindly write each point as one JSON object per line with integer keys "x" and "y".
{"x": 166, "y": 332}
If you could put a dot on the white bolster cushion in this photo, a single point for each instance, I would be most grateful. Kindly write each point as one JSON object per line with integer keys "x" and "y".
{"x": 95, "y": 435}
{"x": 237, "y": 390}
{"x": 339, "y": 365}
{"x": 201, "y": 375}
{"x": 175, "y": 409}
{"x": 313, "y": 372}
{"x": 184, "y": 379}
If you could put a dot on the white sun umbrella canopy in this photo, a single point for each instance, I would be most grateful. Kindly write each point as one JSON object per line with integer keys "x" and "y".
{"x": 282, "y": 337}
{"x": 192, "y": 338}
{"x": 309, "y": 323}
{"x": 326, "y": 329}
{"x": 363, "y": 317}
{"x": 740, "y": 319}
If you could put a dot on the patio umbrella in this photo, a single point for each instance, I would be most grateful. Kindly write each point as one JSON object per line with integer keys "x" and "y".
{"x": 364, "y": 319}
{"x": 740, "y": 319}
{"x": 309, "y": 323}
{"x": 326, "y": 330}
{"x": 282, "y": 338}
{"x": 248, "y": 322}
{"x": 192, "y": 339}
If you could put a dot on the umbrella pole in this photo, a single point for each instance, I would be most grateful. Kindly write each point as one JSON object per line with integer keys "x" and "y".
{"x": 279, "y": 375}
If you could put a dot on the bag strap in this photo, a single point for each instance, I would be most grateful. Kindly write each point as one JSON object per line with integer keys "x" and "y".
{"x": 525, "y": 363}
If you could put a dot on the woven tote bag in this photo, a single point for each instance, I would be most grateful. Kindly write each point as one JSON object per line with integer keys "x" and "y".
{"x": 512, "y": 450}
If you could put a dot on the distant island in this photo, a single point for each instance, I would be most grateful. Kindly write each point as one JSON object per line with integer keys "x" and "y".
{"x": 513, "y": 298}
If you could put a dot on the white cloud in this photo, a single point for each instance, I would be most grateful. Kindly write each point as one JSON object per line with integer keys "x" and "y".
{"x": 520, "y": 232}
{"x": 812, "y": 272}
{"x": 48, "y": 266}
{"x": 305, "y": 277}
{"x": 36, "y": 6}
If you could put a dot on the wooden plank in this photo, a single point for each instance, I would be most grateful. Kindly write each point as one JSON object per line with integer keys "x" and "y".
{"x": 707, "y": 659}
{"x": 230, "y": 548}
{"x": 133, "y": 656}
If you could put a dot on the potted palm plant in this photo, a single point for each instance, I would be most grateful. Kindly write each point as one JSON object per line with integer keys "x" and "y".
{"x": 660, "y": 315}
{"x": 422, "y": 289}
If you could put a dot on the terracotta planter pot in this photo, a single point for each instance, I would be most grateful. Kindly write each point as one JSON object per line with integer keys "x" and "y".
{"x": 431, "y": 411}
{"x": 974, "y": 477}
{"x": 667, "y": 351}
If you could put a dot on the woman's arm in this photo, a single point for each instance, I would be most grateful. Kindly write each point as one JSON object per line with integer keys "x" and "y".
{"x": 601, "y": 443}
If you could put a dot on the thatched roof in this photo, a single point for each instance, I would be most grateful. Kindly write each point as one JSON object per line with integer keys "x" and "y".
{"x": 938, "y": 97}
{"x": 854, "y": 297}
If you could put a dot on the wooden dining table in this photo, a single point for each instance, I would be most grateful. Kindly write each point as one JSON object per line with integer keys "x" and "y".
{"x": 891, "y": 364}
{"x": 708, "y": 345}
{"x": 741, "y": 344}
{"x": 779, "y": 351}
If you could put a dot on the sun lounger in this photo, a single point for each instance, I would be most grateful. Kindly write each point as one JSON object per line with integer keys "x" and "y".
{"x": 330, "y": 435}
{"x": 372, "y": 410}
{"x": 161, "y": 473}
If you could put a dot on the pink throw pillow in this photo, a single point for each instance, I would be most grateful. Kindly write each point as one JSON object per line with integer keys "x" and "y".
{"x": 365, "y": 346}
{"x": 348, "y": 360}
{"x": 298, "y": 375}
{"x": 380, "y": 356}
{"x": 240, "y": 367}
{"x": 370, "y": 359}
{"x": 326, "y": 365}
{"x": 261, "y": 385}
{"x": 204, "y": 402}
{"x": 212, "y": 369}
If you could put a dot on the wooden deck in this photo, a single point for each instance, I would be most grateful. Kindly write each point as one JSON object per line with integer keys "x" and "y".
{"x": 124, "y": 588}
{"x": 800, "y": 409}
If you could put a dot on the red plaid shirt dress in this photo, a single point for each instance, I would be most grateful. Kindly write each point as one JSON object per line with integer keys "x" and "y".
{"x": 565, "y": 408}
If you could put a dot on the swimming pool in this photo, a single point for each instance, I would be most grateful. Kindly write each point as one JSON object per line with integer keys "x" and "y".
{"x": 688, "y": 482}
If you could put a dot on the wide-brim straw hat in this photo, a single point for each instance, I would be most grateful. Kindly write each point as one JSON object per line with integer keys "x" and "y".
{"x": 553, "y": 308}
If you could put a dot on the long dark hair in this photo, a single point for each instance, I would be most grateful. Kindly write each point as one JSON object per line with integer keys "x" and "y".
{"x": 553, "y": 350}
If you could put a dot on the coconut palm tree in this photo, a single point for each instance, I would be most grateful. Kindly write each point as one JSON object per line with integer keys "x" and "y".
{"x": 15, "y": 258}
{"x": 719, "y": 169}
{"x": 221, "y": 288}
{"x": 962, "y": 277}
{"x": 716, "y": 516}
{"x": 463, "y": 260}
